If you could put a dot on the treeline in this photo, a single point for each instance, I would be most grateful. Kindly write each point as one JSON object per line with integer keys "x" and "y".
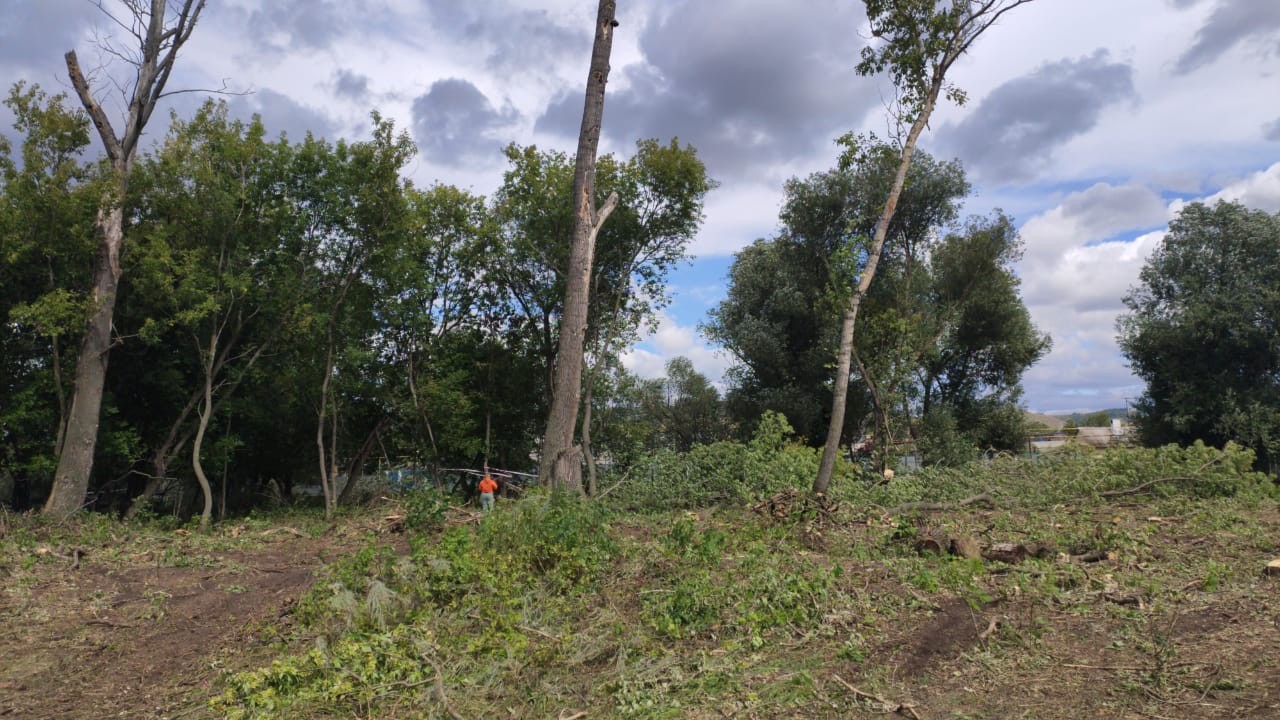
{"x": 292, "y": 312}
{"x": 296, "y": 309}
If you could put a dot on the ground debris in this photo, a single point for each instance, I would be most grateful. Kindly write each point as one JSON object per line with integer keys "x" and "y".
{"x": 792, "y": 502}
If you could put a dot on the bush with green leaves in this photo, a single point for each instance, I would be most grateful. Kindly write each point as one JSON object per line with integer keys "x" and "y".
{"x": 380, "y": 618}
{"x": 726, "y": 472}
{"x": 1079, "y": 474}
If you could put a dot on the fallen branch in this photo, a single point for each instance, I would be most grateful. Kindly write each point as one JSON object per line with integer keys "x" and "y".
{"x": 991, "y": 627}
{"x": 979, "y": 499}
{"x": 899, "y": 708}
{"x": 614, "y": 486}
{"x": 291, "y": 531}
{"x": 444, "y": 701}
{"x": 1139, "y": 488}
{"x": 543, "y": 633}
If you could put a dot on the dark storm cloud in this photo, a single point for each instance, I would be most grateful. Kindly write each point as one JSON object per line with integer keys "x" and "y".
{"x": 1232, "y": 23}
{"x": 350, "y": 85}
{"x": 1271, "y": 130}
{"x": 1014, "y": 130}
{"x": 454, "y": 122}
{"x": 282, "y": 114}
{"x": 750, "y": 83}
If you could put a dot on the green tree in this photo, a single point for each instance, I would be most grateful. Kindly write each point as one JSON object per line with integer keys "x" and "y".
{"x": 47, "y": 198}
{"x": 918, "y": 42}
{"x": 210, "y": 266}
{"x": 1203, "y": 331}
{"x": 660, "y": 188}
{"x": 684, "y": 408}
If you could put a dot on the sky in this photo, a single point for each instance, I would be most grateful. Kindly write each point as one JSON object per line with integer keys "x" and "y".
{"x": 1091, "y": 122}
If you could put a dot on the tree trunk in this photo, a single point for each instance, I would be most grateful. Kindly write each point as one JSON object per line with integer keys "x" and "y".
{"x": 197, "y": 445}
{"x": 75, "y": 464}
{"x": 885, "y": 439}
{"x": 357, "y": 463}
{"x": 554, "y": 467}
{"x": 157, "y": 52}
{"x": 840, "y": 388}
{"x": 593, "y": 473}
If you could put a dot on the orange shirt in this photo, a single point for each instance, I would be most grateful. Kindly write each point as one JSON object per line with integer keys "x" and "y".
{"x": 487, "y": 485}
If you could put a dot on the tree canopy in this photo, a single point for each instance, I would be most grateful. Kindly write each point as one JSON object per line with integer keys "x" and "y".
{"x": 1203, "y": 331}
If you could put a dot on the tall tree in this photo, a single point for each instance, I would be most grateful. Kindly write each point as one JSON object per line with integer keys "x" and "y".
{"x": 1203, "y": 331}
{"x": 161, "y": 28}
{"x": 919, "y": 41}
{"x": 46, "y": 212}
{"x": 559, "y": 465}
{"x": 781, "y": 317}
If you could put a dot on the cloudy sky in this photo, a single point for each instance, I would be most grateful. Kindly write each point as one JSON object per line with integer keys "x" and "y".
{"x": 1090, "y": 121}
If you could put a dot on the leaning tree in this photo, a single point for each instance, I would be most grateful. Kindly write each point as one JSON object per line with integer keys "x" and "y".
{"x": 916, "y": 42}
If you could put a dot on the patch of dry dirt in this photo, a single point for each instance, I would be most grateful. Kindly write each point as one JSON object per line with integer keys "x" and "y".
{"x": 141, "y": 640}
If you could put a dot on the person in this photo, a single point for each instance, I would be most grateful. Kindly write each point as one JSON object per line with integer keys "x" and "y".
{"x": 487, "y": 488}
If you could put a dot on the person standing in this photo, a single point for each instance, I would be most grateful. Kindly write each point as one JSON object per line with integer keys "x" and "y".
{"x": 487, "y": 488}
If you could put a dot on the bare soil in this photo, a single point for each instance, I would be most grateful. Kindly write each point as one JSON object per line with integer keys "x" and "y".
{"x": 145, "y": 635}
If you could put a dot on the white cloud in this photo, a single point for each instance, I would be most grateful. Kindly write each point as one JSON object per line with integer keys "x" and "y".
{"x": 1259, "y": 191}
{"x": 648, "y": 358}
{"x": 1074, "y": 284}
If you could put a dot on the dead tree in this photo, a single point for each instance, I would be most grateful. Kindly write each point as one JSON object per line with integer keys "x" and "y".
{"x": 560, "y": 464}
{"x": 161, "y": 28}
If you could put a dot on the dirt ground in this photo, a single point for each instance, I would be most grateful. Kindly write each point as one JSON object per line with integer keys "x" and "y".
{"x": 1176, "y": 623}
{"x": 145, "y": 635}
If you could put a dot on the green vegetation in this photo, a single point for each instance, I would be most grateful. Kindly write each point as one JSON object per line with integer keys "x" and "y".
{"x": 553, "y": 604}
{"x": 1203, "y": 331}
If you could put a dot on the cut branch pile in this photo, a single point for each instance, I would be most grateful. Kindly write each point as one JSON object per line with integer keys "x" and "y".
{"x": 795, "y": 504}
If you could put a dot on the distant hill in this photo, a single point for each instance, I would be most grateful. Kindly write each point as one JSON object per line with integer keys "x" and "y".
{"x": 1112, "y": 413}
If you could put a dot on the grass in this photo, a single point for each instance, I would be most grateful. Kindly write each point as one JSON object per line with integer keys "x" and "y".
{"x": 550, "y": 610}
{"x": 553, "y": 606}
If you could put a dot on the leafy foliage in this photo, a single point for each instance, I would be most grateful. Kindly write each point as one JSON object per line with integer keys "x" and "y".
{"x": 1203, "y": 331}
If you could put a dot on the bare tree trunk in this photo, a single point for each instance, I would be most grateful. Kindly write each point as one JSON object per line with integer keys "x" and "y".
{"x": 554, "y": 468}
{"x": 159, "y": 44}
{"x": 840, "y": 388}
{"x": 71, "y": 480}
{"x": 197, "y": 445}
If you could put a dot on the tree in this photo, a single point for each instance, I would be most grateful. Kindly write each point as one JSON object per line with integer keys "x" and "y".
{"x": 558, "y": 464}
{"x": 920, "y": 41}
{"x": 46, "y": 213}
{"x": 210, "y": 264}
{"x": 987, "y": 339}
{"x": 1203, "y": 331}
{"x": 160, "y": 33}
{"x": 781, "y": 317}
{"x": 684, "y": 408}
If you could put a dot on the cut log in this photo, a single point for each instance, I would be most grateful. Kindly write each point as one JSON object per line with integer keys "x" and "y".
{"x": 965, "y": 547}
{"x": 1273, "y": 568}
{"x": 930, "y": 544}
{"x": 1006, "y": 552}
